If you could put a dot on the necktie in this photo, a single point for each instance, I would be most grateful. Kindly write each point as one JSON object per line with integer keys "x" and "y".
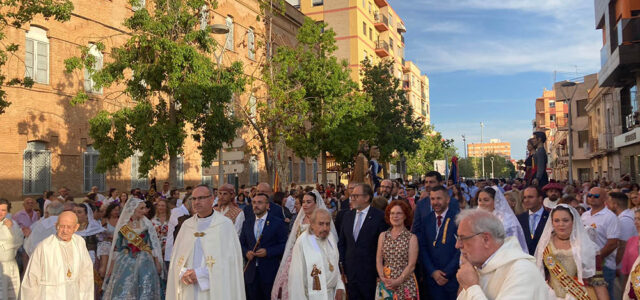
{"x": 356, "y": 230}
{"x": 532, "y": 224}
{"x": 259, "y": 228}
{"x": 439, "y": 221}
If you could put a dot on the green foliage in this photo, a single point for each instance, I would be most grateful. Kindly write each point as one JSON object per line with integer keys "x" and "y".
{"x": 395, "y": 127}
{"x": 472, "y": 167}
{"x": 17, "y": 13}
{"x": 175, "y": 84}
{"x": 431, "y": 147}
{"x": 314, "y": 105}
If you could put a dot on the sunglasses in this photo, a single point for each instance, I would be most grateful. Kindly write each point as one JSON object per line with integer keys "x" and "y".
{"x": 593, "y": 195}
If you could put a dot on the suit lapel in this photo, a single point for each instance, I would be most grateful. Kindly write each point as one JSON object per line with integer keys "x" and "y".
{"x": 541, "y": 224}
{"x": 525, "y": 220}
{"x": 365, "y": 222}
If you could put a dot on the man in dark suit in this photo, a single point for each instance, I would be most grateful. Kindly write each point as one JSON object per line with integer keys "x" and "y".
{"x": 433, "y": 179}
{"x": 439, "y": 257}
{"x": 270, "y": 235}
{"x": 358, "y": 242}
{"x": 534, "y": 219}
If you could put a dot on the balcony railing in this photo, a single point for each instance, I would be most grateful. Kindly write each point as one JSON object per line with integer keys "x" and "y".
{"x": 382, "y": 22}
{"x": 628, "y": 30}
{"x": 381, "y": 3}
{"x": 382, "y": 49}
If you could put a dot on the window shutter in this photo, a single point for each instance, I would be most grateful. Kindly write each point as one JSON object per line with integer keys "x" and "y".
{"x": 229, "y": 42}
{"x": 29, "y": 59}
{"x": 42, "y": 63}
{"x": 251, "y": 44}
{"x": 27, "y": 176}
{"x": 87, "y": 171}
{"x": 42, "y": 171}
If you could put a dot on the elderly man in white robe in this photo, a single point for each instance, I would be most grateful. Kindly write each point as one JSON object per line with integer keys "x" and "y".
{"x": 492, "y": 266}
{"x": 206, "y": 262}
{"x": 60, "y": 267}
{"x": 44, "y": 227}
{"x": 314, "y": 272}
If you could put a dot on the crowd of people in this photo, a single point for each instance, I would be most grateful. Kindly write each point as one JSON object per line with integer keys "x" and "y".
{"x": 430, "y": 239}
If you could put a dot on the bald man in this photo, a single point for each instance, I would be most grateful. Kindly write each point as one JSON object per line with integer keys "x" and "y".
{"x": 274, "y": 209}
{"x": 60, "y": 267}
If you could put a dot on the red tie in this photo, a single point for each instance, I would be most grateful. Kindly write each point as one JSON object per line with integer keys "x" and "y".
{"x": 439, "y": 221}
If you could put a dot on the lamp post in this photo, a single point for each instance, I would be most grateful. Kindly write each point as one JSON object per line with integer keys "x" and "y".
{"x": 569, "y": 123}
{"x": 482, "y": 146}
{"x": 492, "y": 176}
{"x": 464, "y": 142}
{"x": 220, "y": 29}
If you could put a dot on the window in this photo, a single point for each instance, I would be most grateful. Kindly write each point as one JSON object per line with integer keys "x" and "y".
{"x": 251, "y": 43}
{"x": 229, "y": 43}
{"x": 91, "y": 176}
{"x": 318, "y": 2}
{"x": 253, "y": 170}
{"x": 552, "y": 104}
{"x": 581, "y": 104}
{"x": 36, "y": 176}
{"x": 37, "y": 55}
{"x": 89, "y": 83}
{"x": 139, "y": 4}
{"x": 204, "y": 17}
{"x": 583, "y": 139}
{"x": 364, "y": 28}
{"x": 253, "y": 105}
{"x": 370, "y": 34}
{"x": 290, "y": 169}
{"x": 303, "y": 171}
{"x": 552, "y": 118}
{"x": 391, "y": 44}
{"x": 137, "y": 180}
{"x": 369, "y": 7}
{"x": 315, "y": 170}
{"x": 178, "y": 182}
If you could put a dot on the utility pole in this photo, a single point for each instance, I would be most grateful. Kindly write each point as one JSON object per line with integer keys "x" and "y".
{"x": 464, "y": 142}
{"x": 482, "y": 146}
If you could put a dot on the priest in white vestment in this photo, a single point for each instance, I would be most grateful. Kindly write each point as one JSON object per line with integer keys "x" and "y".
{"x": 314, "y": 273}
{"x": 60, "y": 267}
{"x": 10, "y": 240}
{"x": 206, "y": 261}
{"x": 44, "y": 227}
{"x": 493, "y": 266}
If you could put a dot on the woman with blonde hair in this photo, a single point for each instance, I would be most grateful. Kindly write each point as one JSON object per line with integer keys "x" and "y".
{"x": 514, "y": 198}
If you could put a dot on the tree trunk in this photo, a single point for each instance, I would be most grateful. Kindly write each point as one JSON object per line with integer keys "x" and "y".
{"x": 323, "y": 161}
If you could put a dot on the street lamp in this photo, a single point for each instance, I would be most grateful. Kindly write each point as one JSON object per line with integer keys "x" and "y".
{"x": 482, "y": 147}
{"x": 575, "y": 85}
{"x": 492, "y": 176}
{"x": 220, "y": 29}
{"x": 464, "y": 142}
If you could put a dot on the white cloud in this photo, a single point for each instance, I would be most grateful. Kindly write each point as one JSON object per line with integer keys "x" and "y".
{"x": 445, "y": 27}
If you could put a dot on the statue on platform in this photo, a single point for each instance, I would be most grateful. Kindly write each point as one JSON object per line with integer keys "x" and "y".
{"x": 361, "y": 166}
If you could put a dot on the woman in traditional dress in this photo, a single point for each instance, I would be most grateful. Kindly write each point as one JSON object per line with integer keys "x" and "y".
{"x": 10, "y": 240}
{"x": 566, "y": 256}
{"x": 135, "y": 257}
{"x": 111, "y": 220}
{"x": 397, "y": 254}
{"x": 491, "y": 199}
{"x": 310, "y": 201}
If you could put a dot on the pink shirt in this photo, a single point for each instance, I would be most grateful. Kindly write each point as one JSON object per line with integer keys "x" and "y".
{"x": 630, "y": 255}
{"x": 23, "y": 219}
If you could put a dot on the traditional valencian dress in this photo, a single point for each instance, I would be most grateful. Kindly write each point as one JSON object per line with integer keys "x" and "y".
{"x": 10, "y": 240}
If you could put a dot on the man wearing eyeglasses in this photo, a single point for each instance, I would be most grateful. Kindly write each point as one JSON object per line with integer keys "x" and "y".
{"x": 605, "y": 223}
{"x": 206, "y": 262}
{"x": 493, "y": 266}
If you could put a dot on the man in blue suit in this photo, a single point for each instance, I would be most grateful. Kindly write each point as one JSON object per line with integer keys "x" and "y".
{"x": 439, "y": 257}
{"x": 358, "y": 243}
{"x": 534, "y": 219}
{"x": 270, "y": 235}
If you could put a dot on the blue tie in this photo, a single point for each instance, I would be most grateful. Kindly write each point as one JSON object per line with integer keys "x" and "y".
{"x": 356, "y": 230}
{"x": 532, "y": 224}
{"x": 259, "y": 228}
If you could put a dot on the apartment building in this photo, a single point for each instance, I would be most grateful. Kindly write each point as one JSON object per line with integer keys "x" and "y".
{"x": 494, "y": 146}
{"x": 417, "y": 87}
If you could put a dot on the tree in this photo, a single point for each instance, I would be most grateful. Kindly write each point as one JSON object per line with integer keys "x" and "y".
{"x": 472, "y": 167}
{"x": 16, "y": 13}
{"x": 431, "y": 147}
{"x": 395, "y": 127}
{"x": 313, "y": 103}
{"x": 176, "y": 87}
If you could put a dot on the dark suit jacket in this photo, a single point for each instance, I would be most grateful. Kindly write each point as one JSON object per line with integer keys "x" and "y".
{"x": 359, "y": 257}
{"x": 423, "y": 209}
{"x": 274, "y": 240}
{"x": 532, "y": 243}
{"x": 434, "y": 254}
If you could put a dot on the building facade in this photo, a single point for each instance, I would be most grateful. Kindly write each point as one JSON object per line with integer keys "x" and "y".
{"x": 46, "y": 142}
{"x": 417, "y": 87}
{"x": 494, "y": 146}
{"x": 619, "y": 21}
{"x": 605, "y": 122}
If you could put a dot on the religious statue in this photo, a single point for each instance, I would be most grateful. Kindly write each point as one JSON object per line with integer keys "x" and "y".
{"x": 361, "y": 165}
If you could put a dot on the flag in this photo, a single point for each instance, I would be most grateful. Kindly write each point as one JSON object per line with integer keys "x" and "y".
{"x": 276, "y": 182}
{"x": 454, "y": 170}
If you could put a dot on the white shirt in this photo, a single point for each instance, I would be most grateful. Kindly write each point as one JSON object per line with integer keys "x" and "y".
{"x": 355, "y": 221}
{"x": 264, "y": 221}
{"x": 606, "y": 225}
{"x": 291, "y": 204}
{"x": 627, "y": 228}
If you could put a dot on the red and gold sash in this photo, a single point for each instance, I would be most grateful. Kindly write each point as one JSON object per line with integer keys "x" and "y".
{"x": 570, "y": 284}
{"x": 135, "y": 239}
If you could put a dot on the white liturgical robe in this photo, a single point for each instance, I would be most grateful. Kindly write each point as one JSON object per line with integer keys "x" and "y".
{"x": 59, "y": 270}
{"x": 211, "y": 248}
{"x": 40, "y": 230}
{"x": 10, "y": 240}
{"x": 314, "y": 259}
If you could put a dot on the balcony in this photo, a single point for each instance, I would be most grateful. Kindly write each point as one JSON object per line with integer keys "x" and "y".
{"x": 381, "y": 3}
{"x": 401, "y": 29}
{"x": 406, "y": 85}
{"x": 382, "y": 22}
{"x": 619, "y": 57}
{"x": 382, "y": 49}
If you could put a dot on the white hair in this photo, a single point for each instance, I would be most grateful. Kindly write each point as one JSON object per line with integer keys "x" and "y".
{"x": 483, "y": 221}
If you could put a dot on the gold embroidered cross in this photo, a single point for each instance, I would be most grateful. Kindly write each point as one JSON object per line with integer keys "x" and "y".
{"x": 181, "y": 261}
{"x": 210, "y": 261}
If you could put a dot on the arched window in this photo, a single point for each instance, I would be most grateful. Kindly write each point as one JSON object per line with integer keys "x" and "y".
{"x": 37, "y": 55}
{"x": 36, "y": 176}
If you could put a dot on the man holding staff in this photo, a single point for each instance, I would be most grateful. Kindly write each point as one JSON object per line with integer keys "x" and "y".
{"x": 263, "y": 239}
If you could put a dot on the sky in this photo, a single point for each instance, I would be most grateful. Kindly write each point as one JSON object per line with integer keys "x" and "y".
{"x": 488, "y": 60}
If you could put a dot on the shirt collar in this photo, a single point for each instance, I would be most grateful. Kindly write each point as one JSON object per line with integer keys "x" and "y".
{"x": 263, "y": 217}
{"x": 365, "y": 211}
{"x": 538, "y": 212}
{"x": 444, "y": 213}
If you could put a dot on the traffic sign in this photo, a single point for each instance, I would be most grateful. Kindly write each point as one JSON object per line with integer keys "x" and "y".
{"x": 232, "y": 155}
{"x": 237, "y": 143}
{"x": 228, "y": 169}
